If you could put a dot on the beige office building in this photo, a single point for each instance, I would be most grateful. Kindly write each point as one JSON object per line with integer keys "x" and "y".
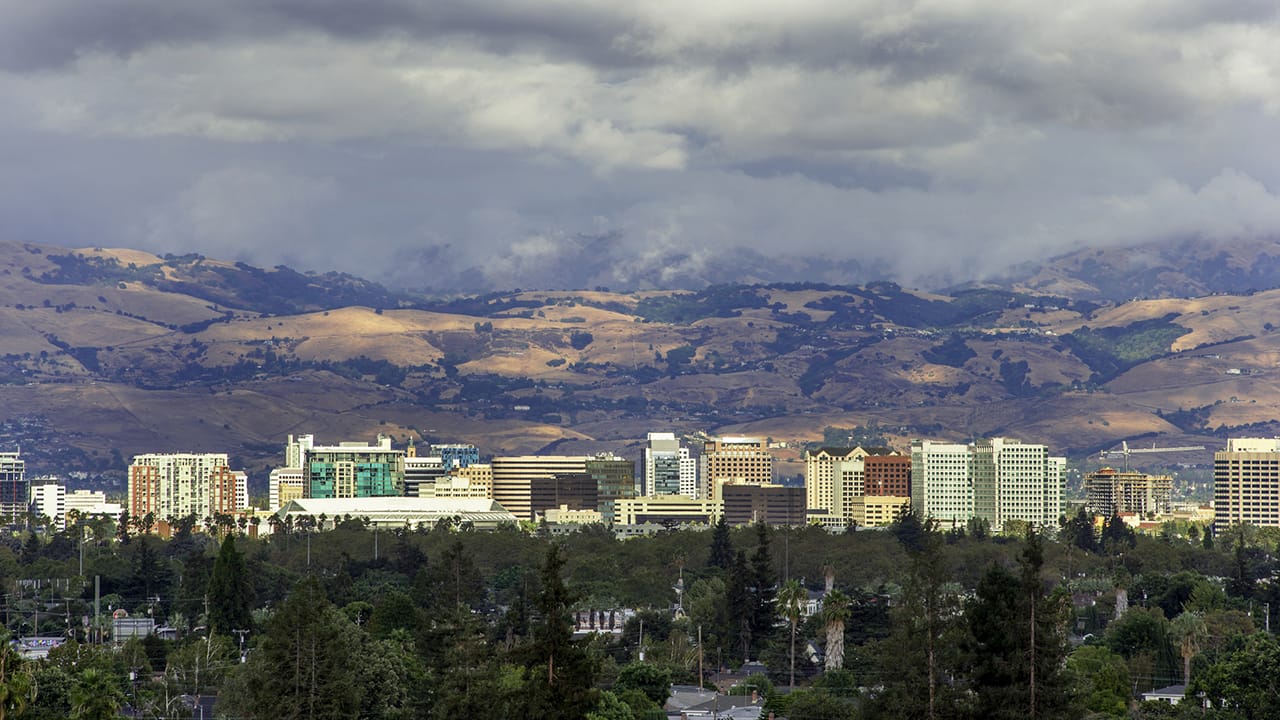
{"x": 1246, "y": 483}
{"x": 738, "y": 459}
{"x": 513, "y": 478}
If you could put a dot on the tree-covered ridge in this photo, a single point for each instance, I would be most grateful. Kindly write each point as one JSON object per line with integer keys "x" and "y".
{"x": 442, "y": 622}
{"x": 279, "y": 291}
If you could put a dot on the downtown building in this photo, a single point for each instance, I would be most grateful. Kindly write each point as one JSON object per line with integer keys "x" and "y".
{"x": 864, "y": 487}
{"x": 348, "y": 469}
{"x": 668, "y": 468}
{"x": 733, "y": 459}
{"x": 1110, "y": 492}
{"x": 996, "y": 480}
{"x": 1246, "y": 483}
{"x": 13, "y": 487}
{"x": 171, "y": 486}
{"x": 516, "y": 477}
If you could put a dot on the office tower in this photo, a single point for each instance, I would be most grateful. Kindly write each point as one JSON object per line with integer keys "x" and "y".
{"x": 995, "y": 480}
{"x": 668, "y": 468}
{"x": 1109, "y": 492}
{"x": 513, "y": 478}
{"x": 743, "y": 459}
{"x": 886, "y": 474}
{"x": 421, "y": 473}
{"x": 13, "y": 487}
{"x": 295, "y": 450}
{"x": 49, "y": 499}
{"x": 615, "y": 478}
{"x": 1246, "y": 483}
{"x": 573, "y": 491}
{"x": 458, "y": 455}
{"x": 354, "y": 469}
{"x": 747, "y": 503}
{"x": 170, "y": 486}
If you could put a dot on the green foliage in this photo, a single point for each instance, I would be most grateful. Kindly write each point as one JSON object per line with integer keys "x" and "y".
{"x": 230, "y": 591}
{"x": 687, "y": 308}
{"x": 303, "y": 666}
{"x": 580, "y": 339}
{"x": 954, "y": 352}
{"x": 653, "y": 681}
{"x": 1101, "y": 679}
{"x": 1110, "y": 351}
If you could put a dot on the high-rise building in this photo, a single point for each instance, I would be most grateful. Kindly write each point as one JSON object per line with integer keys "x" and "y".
{"x": 887, "y": 474}
{"x": 1109, "y": 492}
{"x": 768, "y": 503}
{"x": 995, "y": 480}
{"x": 1246, "y": 483}
{"x": 615, "y": 478}
{"x": 729, "y": 458}
{"x": 49, "y": 499}
{"x": 457, "y": 455}
{"x": 420, "y": 473}
{"x": 572, "y": 491}
{"x": 285, "y": 484}
{"x": 822, "y": 467}
{"x": 668, "y": 468}
{"x": 13, "y": 487}
{"x": 354, "y": 470}
{"x": 513, "y": 478}
{"x": 171, "y": 486}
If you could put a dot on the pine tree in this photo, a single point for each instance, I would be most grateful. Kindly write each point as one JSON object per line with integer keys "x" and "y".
{"x": 741, "y": 603}
{"x": 230, "y": 590}
{"x": 303, "y": 666}
{"x": 765, "y": 588}
{"x": 721, "y": 547}
{"x": 561, "y": 683}
{"x": 1017, "y": 642}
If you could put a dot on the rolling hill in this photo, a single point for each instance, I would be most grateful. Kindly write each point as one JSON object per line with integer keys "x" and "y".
{"x": 106, "y": 353}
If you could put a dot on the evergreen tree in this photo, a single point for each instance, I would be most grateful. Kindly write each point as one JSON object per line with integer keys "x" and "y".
{"x": 303, "y": 666}
{"x": 922, "y": 650}
{"x": 721, "y": 555}
{"x": 561, "y": 683}
{"x": 764, "y": 590}
{"x": 1017, "y": 642}
{"x": 230, "y": 591}
{"x": 741, "y": 603}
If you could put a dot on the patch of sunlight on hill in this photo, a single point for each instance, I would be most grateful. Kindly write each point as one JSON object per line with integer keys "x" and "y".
{"x": 124, "y": 256}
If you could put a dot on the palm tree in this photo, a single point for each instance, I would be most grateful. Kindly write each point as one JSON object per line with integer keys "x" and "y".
{"x": 96, "y": 696}
{"x": 835, "y": 610}
{"x": 791, "y": 598}
{"x": 16, "y": 686}
{"x": 1190, "y": 631}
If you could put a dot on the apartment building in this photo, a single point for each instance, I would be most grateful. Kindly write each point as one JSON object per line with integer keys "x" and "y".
{"x": 1109, "y": 492}
{"x": 13, "y": 487}
{"x": 668, "y": 467}
{"x": 170, "y": 486}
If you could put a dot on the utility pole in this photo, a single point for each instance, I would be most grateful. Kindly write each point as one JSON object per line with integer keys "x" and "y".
{"x": 97, "y": 606}
{"x": 700, "y": 657}
{"x": 241, "y": 633}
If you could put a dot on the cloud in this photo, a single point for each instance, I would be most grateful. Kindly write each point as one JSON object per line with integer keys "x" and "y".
{"x": 573, "y": 143}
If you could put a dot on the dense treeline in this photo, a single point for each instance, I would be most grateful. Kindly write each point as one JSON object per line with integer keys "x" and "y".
{"x": 448, "y": 622}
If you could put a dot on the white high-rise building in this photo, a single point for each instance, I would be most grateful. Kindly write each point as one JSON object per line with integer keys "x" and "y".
{"x": 285, "y": 484}
{"x": 171, "y": 486}
{"x": 995, "y": 480}
{"x": 668, "y": 469}
{"x": 49, "y": 499}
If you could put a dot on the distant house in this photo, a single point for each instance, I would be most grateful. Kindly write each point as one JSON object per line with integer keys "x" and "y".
{"x": 1172, "y": 694}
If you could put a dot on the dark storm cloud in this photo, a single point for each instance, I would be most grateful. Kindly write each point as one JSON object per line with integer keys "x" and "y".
{"x": 575, "y": 143}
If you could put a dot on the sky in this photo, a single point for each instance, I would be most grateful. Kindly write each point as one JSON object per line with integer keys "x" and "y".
{"x": 461, "y": 145}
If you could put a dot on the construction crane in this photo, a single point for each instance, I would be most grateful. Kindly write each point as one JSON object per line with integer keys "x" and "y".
{"x": 1126, "y": 451}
